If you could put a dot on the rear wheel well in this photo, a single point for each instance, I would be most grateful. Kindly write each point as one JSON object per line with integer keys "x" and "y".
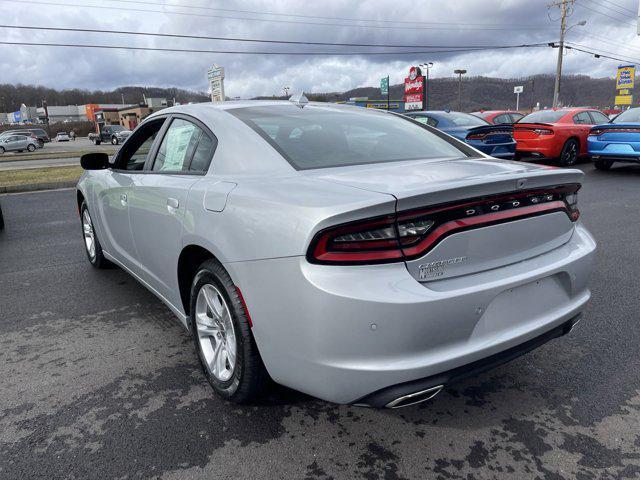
{"x": 191, "y": 257}
{"x": 80, "y": 199}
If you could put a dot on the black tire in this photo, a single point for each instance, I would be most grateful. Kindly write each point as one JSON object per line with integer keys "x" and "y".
{"x": 603, "y": 164}
{"x": 1, "y": 220}
{"x": 570, "y": 153}
{"x": 31, "y": 147}
{"x": 2, "y": 150}
{"x": 20, "y": 151}
{"x": 98, "y": 261}
{"x": 249, "y": 379}
{"x": 40, "y": 143}
{"x": 96, "y": 141}
{"x": 114, "y": 140}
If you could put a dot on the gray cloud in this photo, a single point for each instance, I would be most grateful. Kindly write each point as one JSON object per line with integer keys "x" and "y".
{"x": 249, "y": 75}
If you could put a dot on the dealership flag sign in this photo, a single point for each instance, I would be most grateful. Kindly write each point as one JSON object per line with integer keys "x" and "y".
{"x": 625, "y": 81}
{"x": 415, "y": 96}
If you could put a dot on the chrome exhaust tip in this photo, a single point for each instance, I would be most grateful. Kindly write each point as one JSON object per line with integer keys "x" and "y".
{"x": 414, "y": 398}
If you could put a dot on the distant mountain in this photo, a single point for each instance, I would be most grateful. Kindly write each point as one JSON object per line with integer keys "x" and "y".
{"x": 497, "y": 93}
{"x": 12, "y": 96}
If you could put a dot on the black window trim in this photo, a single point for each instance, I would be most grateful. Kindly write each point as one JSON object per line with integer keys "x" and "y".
{"x": 593, "y": 119}
{"x": 168, "y": 119}
{"x": 580, "y": 113}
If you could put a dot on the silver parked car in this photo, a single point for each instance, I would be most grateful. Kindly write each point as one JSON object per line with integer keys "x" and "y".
{"x": 354, "y": 255}
{"x": 17, "y": 143}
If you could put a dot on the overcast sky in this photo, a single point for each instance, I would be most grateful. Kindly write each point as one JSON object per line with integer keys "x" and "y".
{"x": 611, "y": 27}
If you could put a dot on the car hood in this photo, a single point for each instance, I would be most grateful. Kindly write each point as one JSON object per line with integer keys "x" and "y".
{"x": 417, "y": 183}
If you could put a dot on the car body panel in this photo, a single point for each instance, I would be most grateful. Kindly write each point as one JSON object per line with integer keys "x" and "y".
{"x": 13, "y": 143}
{"x": 498, "y": 117}
{"x": 341, "y": 332}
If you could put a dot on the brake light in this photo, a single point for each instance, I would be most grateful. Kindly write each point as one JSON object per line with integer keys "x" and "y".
{"x": 600, "y": 131}
{"x": 542, "y": 131}
{"x": 476, "y": 136}
{"x": 411, "y": 234}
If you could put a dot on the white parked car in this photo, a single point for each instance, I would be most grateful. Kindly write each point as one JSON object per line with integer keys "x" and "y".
{"x": 17, "y": 143}
{"x": 62, "y": 137}
{"x": 351, "y": 254}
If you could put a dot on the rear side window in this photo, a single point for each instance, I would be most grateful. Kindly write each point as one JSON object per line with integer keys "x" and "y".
{"x": 543, "y": 116}
{"x": 582, "y": 118}
{"x": 504, "y": 118}
{"x": 426, "y": 120}
{"x": 516, "y": 116}
{"x": 598, "y": 117}
{"x": 631, "y": 116}
{"x": 203, "y": 154}
{"x": 322, "y": 137}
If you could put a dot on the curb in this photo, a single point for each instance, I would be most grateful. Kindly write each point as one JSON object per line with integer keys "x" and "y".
{"x": 32, "y": 187}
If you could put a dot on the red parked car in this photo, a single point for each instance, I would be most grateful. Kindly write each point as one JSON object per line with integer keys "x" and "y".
{"x": 499, "y": 117}
{"x": 558, "y": 134}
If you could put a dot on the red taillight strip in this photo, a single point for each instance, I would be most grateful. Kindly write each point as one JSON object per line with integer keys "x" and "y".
{"x": 453, "y": 226}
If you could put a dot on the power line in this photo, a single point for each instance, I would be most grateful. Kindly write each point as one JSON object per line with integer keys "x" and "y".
{"x": 316, "y": 17}
{"x": 606, "y": 14}
{"x": 253, "y": 40}
{"x": 249, "y": 52}
{"x": 634, "y": 12}
{"x": 602, "y": 39}
{"x": 600, "y": 53}
{"x": 323, "y": 24}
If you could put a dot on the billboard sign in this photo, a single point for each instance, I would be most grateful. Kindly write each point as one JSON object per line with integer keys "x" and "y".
{"x": 625, "y": 78}
{"x": 17, "y": 116}
{"x": 215, "y": 76}
{"x": 414, "y": 90}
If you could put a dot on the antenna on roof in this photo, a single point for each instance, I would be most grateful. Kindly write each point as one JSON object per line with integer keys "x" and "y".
{"x": 299, "y": 99}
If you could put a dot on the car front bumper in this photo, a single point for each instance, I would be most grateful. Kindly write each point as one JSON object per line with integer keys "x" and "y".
{"x": 343, "y": 333}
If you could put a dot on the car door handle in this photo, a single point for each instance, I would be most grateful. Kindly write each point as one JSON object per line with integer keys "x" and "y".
{"x": 123, "y": 199}
{"x": 172, "y": 204}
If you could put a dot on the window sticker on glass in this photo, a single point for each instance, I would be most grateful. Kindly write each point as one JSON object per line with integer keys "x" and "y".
{"x": 176, "y": 146}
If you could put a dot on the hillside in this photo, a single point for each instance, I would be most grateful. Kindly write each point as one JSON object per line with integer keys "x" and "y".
{"x": 497, "y": 93}
{"x": 12, "y": 96}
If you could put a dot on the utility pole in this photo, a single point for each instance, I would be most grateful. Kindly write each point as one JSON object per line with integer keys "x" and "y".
{"x": 563, "y": 27}
{"x": 459, "y": 72}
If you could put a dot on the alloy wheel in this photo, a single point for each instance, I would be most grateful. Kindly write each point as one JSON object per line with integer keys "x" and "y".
{"x": 89, "y": 235}
{"x": 570, "y": 154}
{"x": 216, "y": 333}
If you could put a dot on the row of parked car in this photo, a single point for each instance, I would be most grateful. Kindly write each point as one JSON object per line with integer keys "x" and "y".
{"x": 28, "y": 139}
{"x": 560, "y": 135}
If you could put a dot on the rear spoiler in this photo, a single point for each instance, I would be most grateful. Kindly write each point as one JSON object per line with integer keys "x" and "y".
{"x": 528, "y": 124}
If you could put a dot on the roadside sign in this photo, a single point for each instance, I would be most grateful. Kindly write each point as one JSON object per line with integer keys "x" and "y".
{"x": 518, "y": 89}
{"x": 384, "y": 86}
{"x": 624, "y": 99}
{"x": 625, "y": 78}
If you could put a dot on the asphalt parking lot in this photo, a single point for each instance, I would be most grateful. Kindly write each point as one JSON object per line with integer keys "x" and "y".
{"x": 97, "y": 380}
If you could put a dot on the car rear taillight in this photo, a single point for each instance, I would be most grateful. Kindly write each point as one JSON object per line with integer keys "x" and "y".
{"x": 411, "y": 234}
{"x": 476, "y": 136}
{"x": 542, "y": 131}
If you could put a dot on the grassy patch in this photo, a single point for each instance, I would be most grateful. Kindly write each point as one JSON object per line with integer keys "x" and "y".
{"x": 39, "y": 175}
{"x": 39, "y": 154}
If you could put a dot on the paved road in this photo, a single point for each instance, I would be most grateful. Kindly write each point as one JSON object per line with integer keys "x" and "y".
{"x": 98, "y": 382}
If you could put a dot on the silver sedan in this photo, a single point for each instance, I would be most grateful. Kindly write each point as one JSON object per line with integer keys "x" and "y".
{"x": 354, "y": 255}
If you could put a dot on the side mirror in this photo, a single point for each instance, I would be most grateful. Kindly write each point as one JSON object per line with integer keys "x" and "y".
{"x": 94, "y": 161}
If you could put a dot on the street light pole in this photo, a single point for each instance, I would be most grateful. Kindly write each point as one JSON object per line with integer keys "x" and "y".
{"x": 459, "y": 72}
{"x": 427, "y": 66}
{"x": 286, "y": 91}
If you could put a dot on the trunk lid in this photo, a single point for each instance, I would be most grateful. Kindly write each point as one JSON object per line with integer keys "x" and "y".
{"x": 491, "y": 134}
{"x": 423, "y": 184}
{"x": 617, "y": 132}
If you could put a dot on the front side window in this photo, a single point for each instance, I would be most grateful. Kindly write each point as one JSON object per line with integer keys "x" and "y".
{"x": 321, "y": 137}
{"x": 135, "y": 151}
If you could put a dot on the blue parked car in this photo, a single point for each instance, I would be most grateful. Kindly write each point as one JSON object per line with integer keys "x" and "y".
{"x": 616, "y": 141}
{"x": 494, "y": 140}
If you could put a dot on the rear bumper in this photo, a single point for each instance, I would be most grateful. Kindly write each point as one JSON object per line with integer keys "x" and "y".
{"x": 616, "y": 151}
{"x": 388, "y": 396}
{"x": 534, "y": 148}
{"x": 341, "y": 333}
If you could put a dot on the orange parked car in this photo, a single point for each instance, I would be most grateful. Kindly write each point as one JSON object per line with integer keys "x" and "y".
{"x": 557, "y": 134}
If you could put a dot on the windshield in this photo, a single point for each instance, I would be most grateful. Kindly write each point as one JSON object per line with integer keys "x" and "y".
{"x": 319, "y": 137}
{"x": 460, "y": 119}
{"x": 628, "y": 116}
{"x": 543, "y": 116}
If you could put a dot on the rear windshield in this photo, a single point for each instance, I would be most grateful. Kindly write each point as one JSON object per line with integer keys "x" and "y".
{"x": 543, "y": 116}
{"x": 629, "y": 116}
{"x": 320, "y": 137}
{"x": 460, "y": 119}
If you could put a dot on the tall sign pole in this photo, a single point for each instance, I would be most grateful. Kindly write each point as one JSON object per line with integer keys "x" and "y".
{"x": 518, "y": 90}
{"x": 384, "y": 88}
